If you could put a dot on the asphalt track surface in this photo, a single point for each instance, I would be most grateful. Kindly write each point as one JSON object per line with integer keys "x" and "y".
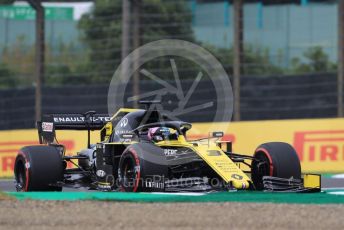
{"x": 36, "y": 215}
{"x": 105, "y": 214}
{"x": 7, "y": 185}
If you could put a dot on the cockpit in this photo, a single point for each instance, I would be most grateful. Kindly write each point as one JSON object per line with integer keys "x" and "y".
{"x": 149, "y": 126}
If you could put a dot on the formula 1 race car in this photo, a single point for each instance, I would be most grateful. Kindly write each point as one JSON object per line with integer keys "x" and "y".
{"x": 142, "y": 150}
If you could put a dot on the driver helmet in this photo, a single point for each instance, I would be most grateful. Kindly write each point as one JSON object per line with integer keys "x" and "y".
{"x": 158, "y": 133}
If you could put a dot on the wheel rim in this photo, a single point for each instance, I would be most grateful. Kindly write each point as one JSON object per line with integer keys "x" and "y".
{"x": 128, "y": 172}
{"x": 260, "y": 168}
{"x": 20, "y": 176}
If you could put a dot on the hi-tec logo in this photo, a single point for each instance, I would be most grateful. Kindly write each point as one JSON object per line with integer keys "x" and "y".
{"x": 123, "y": 122}
{"x": 170, "y": 152}
{"x": 79, "y": 119}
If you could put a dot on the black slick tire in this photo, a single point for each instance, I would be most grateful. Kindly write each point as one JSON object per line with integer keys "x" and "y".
{"x": 38, "y": 168}
{"x": 275, "y": 159}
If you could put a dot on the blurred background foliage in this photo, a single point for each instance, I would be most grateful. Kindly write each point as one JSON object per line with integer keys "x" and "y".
{"x": 100, "y": 55}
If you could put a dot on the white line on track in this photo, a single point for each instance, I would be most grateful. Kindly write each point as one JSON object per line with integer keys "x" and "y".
{"x": 338, "y": 176}
{"x": 336, "y": 193}
{"x": 179, "y": 193}
{"x": 6, "y": 180}
{"x": 334, "y": 188}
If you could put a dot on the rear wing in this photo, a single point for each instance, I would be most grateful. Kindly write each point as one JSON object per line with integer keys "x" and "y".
{"x": 77, "y": 121}
{"x": 88, "y": 121}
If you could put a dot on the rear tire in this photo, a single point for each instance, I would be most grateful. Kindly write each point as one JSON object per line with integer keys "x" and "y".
{"x": 275, "y": 159}
{"x": 38, "y": 168}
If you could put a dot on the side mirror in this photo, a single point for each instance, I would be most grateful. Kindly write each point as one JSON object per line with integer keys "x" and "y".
{"x": 108, "y": 129}
{"x": 214, "y": 135}
{"x": 217, "y": 134}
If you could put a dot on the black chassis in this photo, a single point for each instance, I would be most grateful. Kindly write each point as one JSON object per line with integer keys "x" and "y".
{"x": 98, "y": 166}
{"x": 180, "y": 172}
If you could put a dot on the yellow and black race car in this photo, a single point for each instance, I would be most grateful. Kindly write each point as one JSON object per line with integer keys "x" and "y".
{"x": 145, "y": 151}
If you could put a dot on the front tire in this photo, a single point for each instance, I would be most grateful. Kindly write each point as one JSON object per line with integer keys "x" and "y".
{"x": 129, "y": 171}
{"x": 275, "y": 159}
{"x": 38, "y": 168}
{"x": 142, "y": 168}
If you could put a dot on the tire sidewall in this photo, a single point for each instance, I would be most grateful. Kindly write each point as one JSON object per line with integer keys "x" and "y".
{"x": 131, "y": 153}
{"x": 151, "y": 167}
{"x": 21, "y": 170}
{"x": 43, "y": 167}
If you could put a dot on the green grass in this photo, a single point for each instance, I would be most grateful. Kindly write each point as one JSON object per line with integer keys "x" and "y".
{"x": 244, "y": 196}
